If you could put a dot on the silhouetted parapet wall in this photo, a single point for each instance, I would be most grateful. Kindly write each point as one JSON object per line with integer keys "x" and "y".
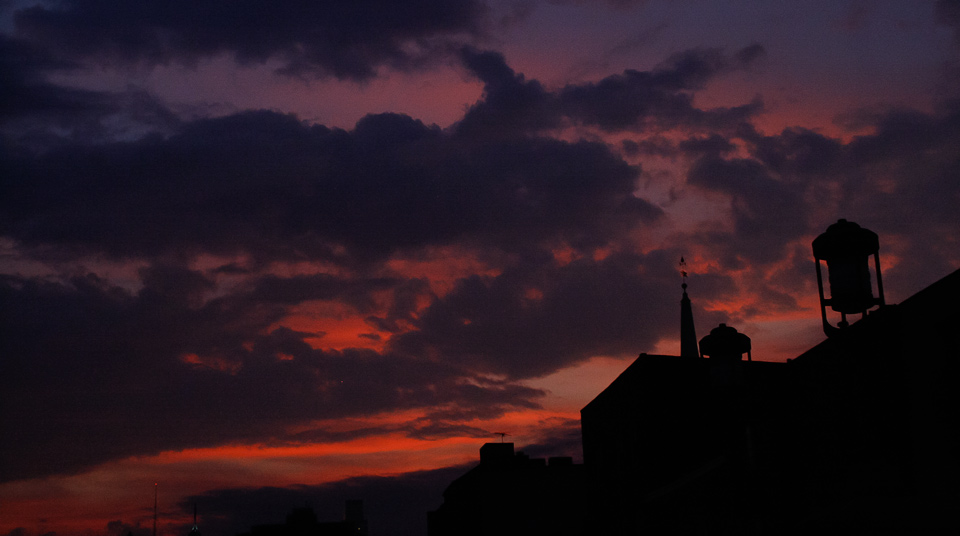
{"x": 510, "y": 493}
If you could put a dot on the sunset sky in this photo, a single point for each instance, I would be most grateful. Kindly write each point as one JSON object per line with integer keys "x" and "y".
{"x": 265, "y": 254}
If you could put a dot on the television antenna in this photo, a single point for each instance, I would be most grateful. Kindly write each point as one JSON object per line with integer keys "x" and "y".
{"x": 156, "y": 485}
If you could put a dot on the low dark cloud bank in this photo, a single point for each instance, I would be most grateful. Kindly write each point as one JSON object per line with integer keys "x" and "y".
{"x": 583, "y": 309}
{"x": 268, "y": 185}
{"x": 393, "y": 505}
{"x": 85, "y": 362}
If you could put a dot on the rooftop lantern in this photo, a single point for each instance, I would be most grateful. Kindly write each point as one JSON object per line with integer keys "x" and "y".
{"x": 846, "y": 248}
{"x": 726, "y": 344}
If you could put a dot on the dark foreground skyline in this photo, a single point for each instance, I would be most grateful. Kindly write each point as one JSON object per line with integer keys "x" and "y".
{"x": 248, "y": 248}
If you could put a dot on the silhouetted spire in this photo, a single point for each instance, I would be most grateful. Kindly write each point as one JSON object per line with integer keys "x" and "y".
{"x": 688, "y": 334}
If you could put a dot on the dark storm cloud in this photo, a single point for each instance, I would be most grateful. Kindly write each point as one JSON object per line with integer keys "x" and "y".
{"x": 767, "y": 213}
{"x": 662, "y": 97}
{"x": 510, "y": 104}
{"x": 902, "y": 177}
{"x": 796, "y": 152}
{"x": 88, "y": 359}
{"x": 650, "y": 146}
{"x": 268, "y": 185}
{"x": 907, "y": 184}
{"x": 24, "y": 63}
{"x": 713, "y": 144}
{"x": 432, "y": 426}
{"x": 774, "y": 192}
{"x": 948, "y": 14}
{"x": 84, "y": 362}
{"x": 532, "y": 320}
{"x": 403, "y": 307}
{"x": 349, "y": 40}
{"x": 297, "y": 289}
{"x": 562, "y": 438}
{"x": 612, "y": 3}
{"x": 900, "y": 180}
{"x": 431, "y": 430}
{"x": 38, "y": 113}
{"x": 692, "y": 69}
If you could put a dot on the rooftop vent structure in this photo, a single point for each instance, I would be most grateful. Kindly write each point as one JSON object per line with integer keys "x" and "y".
{"x": 846, "y": 248}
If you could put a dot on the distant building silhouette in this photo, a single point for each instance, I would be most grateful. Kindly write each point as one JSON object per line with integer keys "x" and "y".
{"x": 511, "y": 494}
{"x": 860, "y": 434}
{"x": 303, "y": 522}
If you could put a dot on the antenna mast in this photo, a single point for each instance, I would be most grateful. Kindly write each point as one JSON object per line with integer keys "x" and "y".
{"x": 155, "y": 508}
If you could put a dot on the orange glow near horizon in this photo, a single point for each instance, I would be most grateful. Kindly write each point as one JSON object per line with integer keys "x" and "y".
{"x": 87, "y": 501}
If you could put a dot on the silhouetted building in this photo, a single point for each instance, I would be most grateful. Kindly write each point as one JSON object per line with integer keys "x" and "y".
{"x": 670, "y": 444}
{"x": 511, "y": 494}
{"x": 859, "y": 434}
{"x": 303, "y": 522}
